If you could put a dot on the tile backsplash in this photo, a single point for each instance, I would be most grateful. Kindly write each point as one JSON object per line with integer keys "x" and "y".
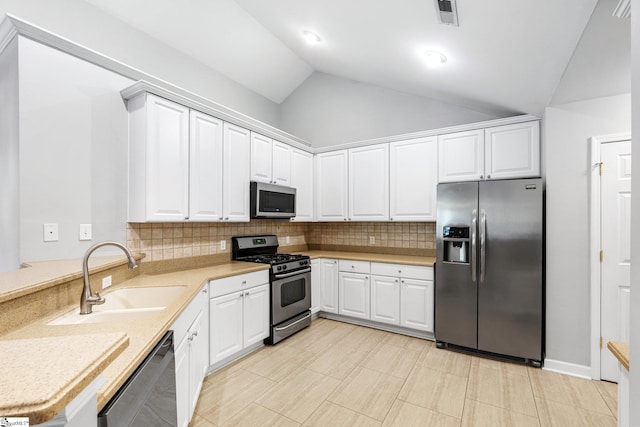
{"x": 165, "y": 241}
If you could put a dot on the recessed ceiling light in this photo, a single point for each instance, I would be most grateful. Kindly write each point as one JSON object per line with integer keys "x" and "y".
{"x": 311, "y": 37}
{"x": 434, "y": 59}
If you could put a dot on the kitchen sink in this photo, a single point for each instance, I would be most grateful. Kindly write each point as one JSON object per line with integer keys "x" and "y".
{"x": 123, "y": 305}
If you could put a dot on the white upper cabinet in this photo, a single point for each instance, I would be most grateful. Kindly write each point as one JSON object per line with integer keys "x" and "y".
{"x": 369, "y": 183}
{"x": 331, "y": 186}
{"x": 461, "y": 156}
{"x": 236, "y": 173}
{"x": 270, "y": 160}
{"x": 500, "y": 152}
{"x": 302, "y": 181}
{"x": 159, "y": 160}
{"x": 205, "y": 172}
{"x": 513, "y": 151}
{"x": 413, "y": 179}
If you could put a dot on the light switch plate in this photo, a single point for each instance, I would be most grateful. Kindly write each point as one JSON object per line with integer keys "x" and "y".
{"x": 85, "y": 232}
{"x": 106, "y": 282}
{"x": 50, "y": 232}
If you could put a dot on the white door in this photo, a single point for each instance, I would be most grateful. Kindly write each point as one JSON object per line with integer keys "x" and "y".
{"x": 236, "y": 173}
{"x": 385, "y": 299}
{"x": 331, "y": 186}
{"x": 416, "y": 304}
{"x": 225, "y": 326}
{"x": 256, "y": 315}
{"x": 205, "y": 171}
{"x": 615, "y": 229}
{"x": 302, "y": 181}
{"x": 413, "y": 179}
{"x": 316, "y": 286}
{"x": 461, "y": 156}
{"x": 198, "y": 359}
{"x": 329, "y": 285}
{"x": 354, "y": 296}
{"x": 281, "y": 163}
{"x": 369, "y": 183}
{"x": 261, "y": 158}
{"x": 182, "y": 381}
{"x": 513, "y": 151}
{"x": 168, "y": 160}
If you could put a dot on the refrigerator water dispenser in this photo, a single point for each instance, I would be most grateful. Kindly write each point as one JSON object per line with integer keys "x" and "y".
{"x": 456, "y": 244}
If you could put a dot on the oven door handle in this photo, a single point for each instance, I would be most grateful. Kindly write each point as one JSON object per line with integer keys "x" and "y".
{"x": 293, "y": 273}
{"x": 294, "y": 323}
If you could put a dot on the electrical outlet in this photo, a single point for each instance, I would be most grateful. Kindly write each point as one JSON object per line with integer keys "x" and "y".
{"x": 106, "y": 282}
{"x": 85, "y": 232}
{"x": 50, "y": 232}
{"x": 287, "y": 240}
{"x": 372, "y": 240}
{"x": 223, "y": 245}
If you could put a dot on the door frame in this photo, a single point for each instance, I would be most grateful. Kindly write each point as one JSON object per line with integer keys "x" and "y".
{"x": 594, "y": 241}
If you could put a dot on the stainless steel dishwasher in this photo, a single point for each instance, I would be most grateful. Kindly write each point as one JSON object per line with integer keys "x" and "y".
{"x": 148, "y": 398}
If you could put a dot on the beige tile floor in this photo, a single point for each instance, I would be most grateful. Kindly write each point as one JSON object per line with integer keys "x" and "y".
{"x": 337, "y": 374}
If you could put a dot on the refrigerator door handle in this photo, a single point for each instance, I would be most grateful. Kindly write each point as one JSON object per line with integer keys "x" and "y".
{"x": 474, "y": 220}
{"x": 483, "y": 245}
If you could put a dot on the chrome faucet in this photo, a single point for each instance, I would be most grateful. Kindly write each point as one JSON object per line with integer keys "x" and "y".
{"x": 87, "y": 300}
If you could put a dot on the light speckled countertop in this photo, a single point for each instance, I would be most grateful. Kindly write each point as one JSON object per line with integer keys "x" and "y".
{"x": 142, "y": 336}
{"x": 621, "y": 351}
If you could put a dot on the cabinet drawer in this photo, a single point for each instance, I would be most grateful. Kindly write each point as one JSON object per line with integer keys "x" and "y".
{"x": 402, "y": 270}
{"x": 354, "y": 266}
{"x": 237, "y": 283}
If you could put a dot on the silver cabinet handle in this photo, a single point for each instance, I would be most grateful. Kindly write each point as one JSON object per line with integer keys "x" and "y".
{"x": 220, "y": 219}
{"x": 244, "y": 282}
{"x": 294, "y": 323}
{"x": 226, "y": 219}
{"x": 483, "y": 245}
{"x": 474, "y": 221}
{"x": 204, "y": 291}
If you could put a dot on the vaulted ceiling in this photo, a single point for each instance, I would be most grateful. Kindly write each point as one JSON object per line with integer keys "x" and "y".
{"x": 505, "y": 57}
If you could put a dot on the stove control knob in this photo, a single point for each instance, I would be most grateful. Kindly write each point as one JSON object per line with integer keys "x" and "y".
{"x": 302, "y": 263}
{"x": 279, "y": 267}
{"x": 284, "y": 267}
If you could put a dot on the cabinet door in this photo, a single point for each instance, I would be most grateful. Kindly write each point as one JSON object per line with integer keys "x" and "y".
{"x": 261, "y": 158}
{"x": 302, "y": 181}
{"x": 256, "y": 315}
{"x": 513, "y": 151}
{"x": 316, "y": 286}
{"x": 167, "y": 160}
{"x": 198, "y": 359}
{"x": 225, "y": 326}
{"x": 236, "y": 173}
{"x": 281, "y": 164}
{"x": 331, "y": 186}
{"x": 416, "y": 304}
{"x": 385, "y": 299}
{"x": 354, "y": 297}
{"x": 329, "y": 289}
{"x": 461, "y": 156}
{"x": 369, "y": 183}
{"x": 413, "y": 179}
{"x": 205, "y": 171}
{"x": 182, "y": 382}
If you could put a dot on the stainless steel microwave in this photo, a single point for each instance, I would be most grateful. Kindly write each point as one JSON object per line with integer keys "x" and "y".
{"x": 272, "y": 201}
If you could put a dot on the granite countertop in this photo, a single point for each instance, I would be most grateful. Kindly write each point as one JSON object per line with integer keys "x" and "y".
{"x": 621, "y": 351}
{"x": 78, "y": 353}
{"x": 373, "y": 257}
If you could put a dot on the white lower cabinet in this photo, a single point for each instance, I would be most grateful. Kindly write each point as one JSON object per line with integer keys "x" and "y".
{"x": 385, "y": 299}
{"x": 416, "y": 304}
{"x": 316, "y": 286}
{"x": 354, "y": 295}
{"x": 191, "y": 343}
{"x": 239, "y": 313}
{"x": 329, "y": 285}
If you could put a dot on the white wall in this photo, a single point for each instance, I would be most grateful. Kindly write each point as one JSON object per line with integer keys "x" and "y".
{"x": 328, "y": 110}
{"x": 9, "y": 160}
{"x": 73, "y": 152}
{"x": 635, "y": 220}
{"x": 567, "y": 129}
{"x": 84, "y": 24}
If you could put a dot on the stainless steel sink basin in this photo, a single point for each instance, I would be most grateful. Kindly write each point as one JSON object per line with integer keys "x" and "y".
{"x": 124, "y": 305}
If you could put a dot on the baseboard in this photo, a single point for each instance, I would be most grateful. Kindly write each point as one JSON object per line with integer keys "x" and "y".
{"x": 567, "y": 368}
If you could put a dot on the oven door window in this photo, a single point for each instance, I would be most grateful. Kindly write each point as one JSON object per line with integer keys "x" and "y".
{"x": 292, "y": 292}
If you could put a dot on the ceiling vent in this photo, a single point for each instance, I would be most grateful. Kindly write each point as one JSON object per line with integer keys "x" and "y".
{"x": 447, "y": 13}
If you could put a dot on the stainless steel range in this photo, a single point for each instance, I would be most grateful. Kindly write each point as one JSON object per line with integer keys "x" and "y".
{"x": 290, "y": 278}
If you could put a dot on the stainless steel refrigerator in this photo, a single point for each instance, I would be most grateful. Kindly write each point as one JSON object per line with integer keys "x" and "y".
{"x": 489, "y": 289}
